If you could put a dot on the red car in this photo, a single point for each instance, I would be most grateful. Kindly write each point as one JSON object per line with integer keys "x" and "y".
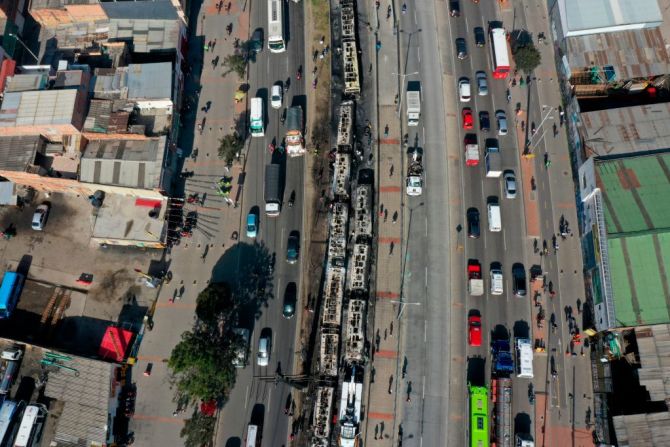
{"x": 475, "y": 330}
{"x": 467, "y": 118}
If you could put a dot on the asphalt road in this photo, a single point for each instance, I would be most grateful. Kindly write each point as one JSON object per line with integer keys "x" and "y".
{"x": 439, "y": 366}
{"x": 252, "y": 394}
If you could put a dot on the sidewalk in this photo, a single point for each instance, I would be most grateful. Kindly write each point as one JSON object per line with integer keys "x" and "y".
{"x": 386, "y": 386}
{"x": 192, "y": 261}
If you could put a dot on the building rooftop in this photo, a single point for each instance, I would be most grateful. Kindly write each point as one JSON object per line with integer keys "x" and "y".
{"x": 631, "y": 54}
{"x": 123, "y": 161}
{"x": 598, "y": 16}
{"x": 150, "y": 81}
{"x": 637, "y": 219}
{"x": 18, "y": 152}
{"x": 108, "y": 116}
{"x": 642, "y": 430}
{"x": 38, "y": 107}
{"x": 26, "y": 82}
{"x": 126, "y": 220}
{"x": 54, "y": 13}
{"x": 626, "y": 129}
{"x": 151, "y": 26}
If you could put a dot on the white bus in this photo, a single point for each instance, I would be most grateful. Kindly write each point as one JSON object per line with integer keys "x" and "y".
{"x": 30, "y": 430}
{"x": 256, "y": 118}
{"x": 524, "y": 358}
{"x": 8, "y": 420}
{"x": 276, "y": 26}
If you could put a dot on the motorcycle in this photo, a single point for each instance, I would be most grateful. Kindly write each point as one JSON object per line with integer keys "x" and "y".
{"x": 291, "y": 199}
{"x": 298, "y": 75}
{"x": 531, "y": 394}
{"x": 282, "y": 118}
{"x": 509, "y": 96}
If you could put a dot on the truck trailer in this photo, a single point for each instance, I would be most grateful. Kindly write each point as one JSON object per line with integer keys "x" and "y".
{"x": 295, "y": 144}
{"x": 414, "y": 181}
{"x": 413, "y": 107}
{"x": 475, "y": 281}
{"x": 493, "y": 162}
{"x": 272, "y": 197}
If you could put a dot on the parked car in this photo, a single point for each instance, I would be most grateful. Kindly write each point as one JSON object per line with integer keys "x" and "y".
{"x": 293, "y": 247}
{"x": 276, "y": 96}
{"x": 509, "y": 180}
{"x": 475, "y": 330}
{"x": 40, "y": 216}
{"x": 467, "y": 118}
{"x": 519, "y": 279}
{"x": 480, "y": 37}
{"x": 464, "y": 89}
{"x": 473, "y": 223}
{"x": 484, "y": 122}
{"x": 461, "y": 48}
{"x": 257, "y": 40}
{"x": 252, "y": 225}
{"x": 290, "y": 299}
{"x": 482, "y": 83}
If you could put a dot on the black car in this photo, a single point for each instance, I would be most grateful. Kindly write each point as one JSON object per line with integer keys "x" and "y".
{"x": 484, "y": 122}
{"x": 480, "y": 37}
{"x": 519, "y": 279}
{"x": 293, "y": 247}
{"x": 257, "y": 40}
{"x": 454, "y": 8}
{"x": 461, "y": 48}
{"x": 290, "y": 298}
{"x": 473, "y": 223}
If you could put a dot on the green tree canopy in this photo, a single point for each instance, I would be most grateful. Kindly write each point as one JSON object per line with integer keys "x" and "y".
{"x": 235, "y": 63}
{"x": 214, "y": 306}
{"x": 198, "y": 431}
{"x": 230, "y": 146}
{"x": 527, "y": 58}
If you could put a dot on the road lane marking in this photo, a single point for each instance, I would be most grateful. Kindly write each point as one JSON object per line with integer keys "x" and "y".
{"x": 387, "y": 354}
{"x": 246, "y": 397}
{"x": 425, "y": 332}
{"x": 384, "y": 416}
{"x": 390, "y": 295}
{"x": 390, "y": 189}
{"x": 388, "y": 240}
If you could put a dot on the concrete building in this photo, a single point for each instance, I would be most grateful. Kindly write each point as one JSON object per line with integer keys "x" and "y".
{"x": 632, "y": 386}
{"x": 625, "y": 238}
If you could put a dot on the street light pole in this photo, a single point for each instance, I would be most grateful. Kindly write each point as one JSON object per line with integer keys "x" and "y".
{"x": 18, "y": 39}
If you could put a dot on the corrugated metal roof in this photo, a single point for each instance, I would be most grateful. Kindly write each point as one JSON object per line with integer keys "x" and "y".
{"x": 104, "y": 117}
{"x": 149, "y": 10}
{"x": 626, "y": 129}
{"x": 654, "y": 350}
{"x": 38, "y": 107}
{"x": 633, "y": 54}
{"x": 146, "y": 35}
{"x": 18, "y": 152}
{"x": 596, "y": 14}
{"x": 150, "y": 81}
{"x": 85, "y": 397}
{"x": 26, "y": 82}
{"x": 111, "y": 84}
{"x": 130, "y": 163}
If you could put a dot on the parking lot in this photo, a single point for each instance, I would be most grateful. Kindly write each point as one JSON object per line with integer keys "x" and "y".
{"x": 55, "y": 258}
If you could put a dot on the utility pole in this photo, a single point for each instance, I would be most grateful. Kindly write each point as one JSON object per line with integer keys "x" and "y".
{"x": 16, "y": 38}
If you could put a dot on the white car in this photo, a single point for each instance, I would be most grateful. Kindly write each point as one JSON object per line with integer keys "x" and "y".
{"x": 263, "y": 356}
{"x": 40, "y": 217}
{"x": 464, "y": 89}
{"x": 276, "y": 96}
{"x": 510, "y": 184}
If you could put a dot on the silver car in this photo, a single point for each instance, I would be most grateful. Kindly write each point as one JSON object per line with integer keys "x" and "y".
{"x": 510, "y": 184}
{"x": 482, "y": 83}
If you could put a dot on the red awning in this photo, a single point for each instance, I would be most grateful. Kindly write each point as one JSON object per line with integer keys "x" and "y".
{"x": 149, "y": 203}
{"x": 115, "y": 344}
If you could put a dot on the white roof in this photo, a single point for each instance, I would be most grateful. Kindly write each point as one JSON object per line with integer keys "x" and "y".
{"x": 525, "y": 358}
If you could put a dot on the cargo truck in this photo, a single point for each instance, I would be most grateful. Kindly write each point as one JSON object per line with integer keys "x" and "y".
{"x": 272, "y": 197}
{"x": 501, "y": 392}
{"x": 493, "y": 160}
{"x": 414, "y": 181}
{"x": 503, "y": 364}
{"x": 413, "y": 107}
{"x": 295, "y": 144}
{"x": 471, "y": 150}
{"x": 475, "y": 281}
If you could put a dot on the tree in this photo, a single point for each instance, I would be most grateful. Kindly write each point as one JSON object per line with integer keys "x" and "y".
{"x": 527, "y": 58}
{"x": 202, "y": 363}
{"x": 215, "y": 307}
{"x": 198, "y": 431}
{"x": 230, "y": 146}
{"x": 235, "y": 63}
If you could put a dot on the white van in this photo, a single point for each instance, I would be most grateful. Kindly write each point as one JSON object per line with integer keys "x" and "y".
{"x": 496, "y": 282}
{"x": 256, "y": 125}
{"x": 495, "y": 223}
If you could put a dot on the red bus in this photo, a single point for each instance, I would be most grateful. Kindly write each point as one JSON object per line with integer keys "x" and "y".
{"x": 499, "y": 53}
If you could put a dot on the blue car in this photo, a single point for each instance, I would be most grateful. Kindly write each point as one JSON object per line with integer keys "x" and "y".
{"x": 252, "y": 225}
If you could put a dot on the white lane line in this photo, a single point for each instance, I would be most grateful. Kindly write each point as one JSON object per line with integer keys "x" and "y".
{"x": 423, "y": 391}
{"x": 426, "y": 227}
{"x": 425, "y": 278}
{"x": 246, "y": 397}
{"x": 425, "y": 331}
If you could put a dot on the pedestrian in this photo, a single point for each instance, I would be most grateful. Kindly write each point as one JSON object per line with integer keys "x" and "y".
{"x": 391, "y": 170}
{"x": 391, "y": 329}
{"x": 376, "y": 430}
{"x": 395, "y": 217}
{"x": 386, "y": 130}
{"x": 409, "y": 391}
{"x": 386, "y": 214}
{"x": 385, "y": 334}
{"x": 213, "y": 44}
{"x": 391, "y": 384}
{"x": 381, "y": 429}
{"x": 391, "y": 246}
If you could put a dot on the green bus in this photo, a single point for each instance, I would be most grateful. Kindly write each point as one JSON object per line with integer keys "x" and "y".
{"x": 479, "y": 416}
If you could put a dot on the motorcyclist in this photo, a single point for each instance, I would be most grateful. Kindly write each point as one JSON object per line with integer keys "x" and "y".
{"x": 291, "y": 199}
